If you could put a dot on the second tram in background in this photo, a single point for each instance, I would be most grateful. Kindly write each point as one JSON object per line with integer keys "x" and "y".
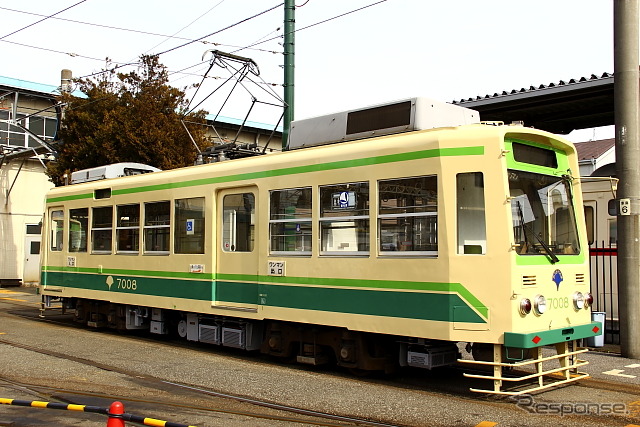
{"x": 382, "y": 238}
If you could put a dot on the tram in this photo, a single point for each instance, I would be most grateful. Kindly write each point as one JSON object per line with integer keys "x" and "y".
{"x": 382, "y": 237}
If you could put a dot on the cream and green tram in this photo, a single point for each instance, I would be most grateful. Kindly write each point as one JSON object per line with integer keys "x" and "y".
{"x": 371, "y": 253}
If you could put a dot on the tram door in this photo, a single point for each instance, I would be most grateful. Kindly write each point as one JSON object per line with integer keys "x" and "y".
{"x": 31, "y": 272}
{"x": 237, "y": 258}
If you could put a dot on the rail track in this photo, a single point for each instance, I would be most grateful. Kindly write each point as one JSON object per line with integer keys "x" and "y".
{"x": 299, "y": 415}
{"x": 212, "y": 403}
{"x": 215, "y": 401}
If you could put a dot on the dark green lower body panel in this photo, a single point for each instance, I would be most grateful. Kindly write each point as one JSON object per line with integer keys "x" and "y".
{"x": 408, "y": 305}
{"x": 443, "y": 307}
{"x": 163, "y": 287}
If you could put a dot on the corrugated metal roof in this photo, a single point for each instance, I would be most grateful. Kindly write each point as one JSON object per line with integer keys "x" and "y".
{"x": 541, "y": 87}
{"x": 560, "y": 107}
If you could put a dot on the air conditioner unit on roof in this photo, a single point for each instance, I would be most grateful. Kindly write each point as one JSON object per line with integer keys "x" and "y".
{"x": 396, "y": 117}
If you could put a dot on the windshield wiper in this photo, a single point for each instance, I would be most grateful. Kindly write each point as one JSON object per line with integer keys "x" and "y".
{"x": 552, "y": 257}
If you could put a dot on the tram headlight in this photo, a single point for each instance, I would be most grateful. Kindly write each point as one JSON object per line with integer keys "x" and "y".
{"x": 540, "y": 304}
{"x": 525, "y": 306}
{"x": 578, "y": 300}
{"x": 588, "y": 300}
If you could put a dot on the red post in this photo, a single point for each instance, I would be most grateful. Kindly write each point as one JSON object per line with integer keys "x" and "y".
{"x": 115, "y": 415}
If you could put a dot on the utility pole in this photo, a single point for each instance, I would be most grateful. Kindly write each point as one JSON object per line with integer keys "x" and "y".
{"x": 627, "y": 102}
{"x": 289, "y": 67}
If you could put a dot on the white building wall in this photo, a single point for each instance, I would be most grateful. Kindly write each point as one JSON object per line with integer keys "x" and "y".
{"x": 24, "y": 205}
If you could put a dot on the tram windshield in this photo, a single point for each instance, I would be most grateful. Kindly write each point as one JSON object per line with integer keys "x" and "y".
{"x": 543, "y": 215}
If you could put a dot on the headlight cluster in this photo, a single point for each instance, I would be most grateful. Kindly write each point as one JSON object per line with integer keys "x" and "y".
{"x": 539, "y": 304}
{"x": 581, "y": 301}
{"x": 525, "y": 306}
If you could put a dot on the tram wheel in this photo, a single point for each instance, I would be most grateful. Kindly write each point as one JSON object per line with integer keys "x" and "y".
{"x": 181, "y": 328}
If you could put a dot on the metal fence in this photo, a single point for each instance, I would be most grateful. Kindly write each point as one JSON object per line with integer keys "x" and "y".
{"x": 604, "y": 287}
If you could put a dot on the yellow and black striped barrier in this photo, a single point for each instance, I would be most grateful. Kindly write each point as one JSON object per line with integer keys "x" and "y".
{"x": 115, "y": 412}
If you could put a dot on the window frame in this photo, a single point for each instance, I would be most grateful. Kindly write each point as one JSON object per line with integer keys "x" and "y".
{"x": 133, "y": 229}
{"x": 382, "y": 216}
{"x": 11, "y": 134}
{"x": 93, "y": 229}
{"x": 359, "y": 221}
{"x": 275, "y": 222}
{"x": 179, "y": 234}
{"x": 472, "y": 214}
{"x": 227, "y": 240}
{"x": 85, "y": 240}
{"x": 56, "y": 235}
{"x": 166, "y": 226}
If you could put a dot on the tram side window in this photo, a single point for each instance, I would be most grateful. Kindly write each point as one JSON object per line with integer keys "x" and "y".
{"x": 128, "y": 228}
{"x": 408, "y": 216}
{"x": 472, "y": 229}
{"x": 57, "y": 230}
{"x": 290, "y": 220}
{"x": 344, "y": 219}
{"x": 238, "y": 222}
{"x": 189, "y": 226}
{"x": 78, "y": 226}
{"x": 101, "y": 229}
{"x": 157, "y": 227}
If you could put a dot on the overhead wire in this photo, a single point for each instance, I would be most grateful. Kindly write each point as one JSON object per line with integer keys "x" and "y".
{"x": 93, "y": 24}
{"x": 187, "y": 26}
{"x": 173, "y": 36}
{"x": 200, "y": 39}
{"x": 74, "y": 55}
{"x": 43, "y": 19}
{"x": 221, "y": 30}
{"x": 109, "y": 27}
{"x": 189, "y": 41}
{"x": 313, "y": 25}
{"x": 300, "y": 29}
{"x": 196, "y": 40}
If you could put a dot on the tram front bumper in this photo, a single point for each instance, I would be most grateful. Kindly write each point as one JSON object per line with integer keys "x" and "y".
{"x": 552, "y": 336}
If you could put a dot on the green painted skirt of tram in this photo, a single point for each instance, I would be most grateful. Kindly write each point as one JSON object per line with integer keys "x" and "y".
{"x": 447, "y": 306}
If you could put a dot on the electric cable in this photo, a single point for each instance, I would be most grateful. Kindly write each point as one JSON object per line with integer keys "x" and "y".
{"x": 187, "y": 26}
{"x": 111, "y": 27}
{"x": 317, "y": 23}
{"x": 43, "y": 19}
{"x": 221, "y": 30}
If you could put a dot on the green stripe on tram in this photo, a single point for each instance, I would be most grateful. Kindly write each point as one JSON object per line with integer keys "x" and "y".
{"x": 414, "y": 300}
{"x": 408, "y": 305}
{"x": 123, "y": 281}
{"x": 294, "y": 170}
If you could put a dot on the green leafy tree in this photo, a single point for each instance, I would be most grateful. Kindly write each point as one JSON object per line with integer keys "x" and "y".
{"x": 132, "y": 117}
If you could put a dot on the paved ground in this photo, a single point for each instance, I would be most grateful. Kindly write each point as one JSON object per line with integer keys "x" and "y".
{"x": 417, "y": 398}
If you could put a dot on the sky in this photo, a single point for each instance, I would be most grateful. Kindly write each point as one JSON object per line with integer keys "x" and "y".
{"x": 348, "y": 53}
